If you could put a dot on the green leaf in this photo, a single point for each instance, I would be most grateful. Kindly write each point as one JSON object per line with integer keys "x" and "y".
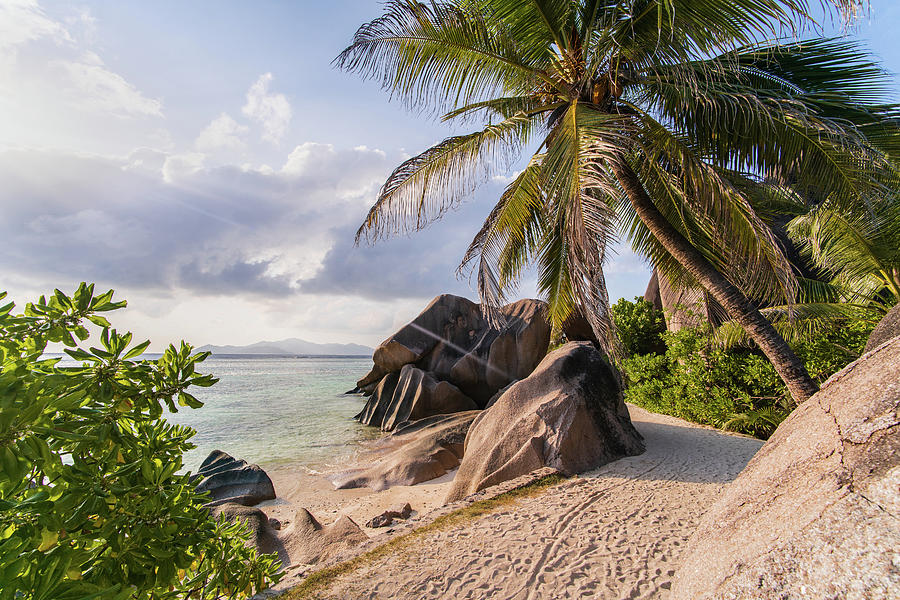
{"x": 99, "y": 321}
{"x": 137, "y": 350}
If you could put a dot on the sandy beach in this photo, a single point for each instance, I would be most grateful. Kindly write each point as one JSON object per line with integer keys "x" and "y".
{"x": 316, "y": 494}
{"x": 615, "y": 532}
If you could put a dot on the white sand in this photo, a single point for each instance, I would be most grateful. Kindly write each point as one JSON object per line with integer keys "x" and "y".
{"x": 296, "y": 488}
{"x": 616, "y": 532}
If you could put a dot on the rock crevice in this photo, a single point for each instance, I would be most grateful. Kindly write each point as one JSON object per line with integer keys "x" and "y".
{"x": 451, "y": 359}
{"x": 814, "y": 514}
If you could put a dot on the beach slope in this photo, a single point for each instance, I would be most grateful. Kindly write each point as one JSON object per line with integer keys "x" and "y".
{"x": 616, "y": 532}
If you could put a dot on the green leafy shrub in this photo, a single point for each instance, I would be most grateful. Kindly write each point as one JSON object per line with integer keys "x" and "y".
{"x": 640, "y": 326}
{"x": 696, "y": 381}
{"x": 832, "y": 350}
{"x": 737, "y": 389}
{"x": 92, "y": 504}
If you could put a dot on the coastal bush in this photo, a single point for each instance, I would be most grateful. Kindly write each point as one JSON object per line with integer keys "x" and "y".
{"x": 92, "y": 504}
{"x": 640, "y": 326}
{"x": 695, "y": 379}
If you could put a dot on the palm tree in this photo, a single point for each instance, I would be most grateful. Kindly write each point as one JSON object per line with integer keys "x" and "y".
{"x": 858, "y": 247}
{"x": 856, "y": 252}
{"x": 652, "y": 118}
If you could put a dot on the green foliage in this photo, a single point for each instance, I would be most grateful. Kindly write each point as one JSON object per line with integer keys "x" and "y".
{"x": 639, "y": 326}
{"x": 736, "y": 389}
{"x": 835, "y": 348}
{"x": 696, "y": 381}
{"x": 683, "y": 98}
{"x": 91, "y": 502}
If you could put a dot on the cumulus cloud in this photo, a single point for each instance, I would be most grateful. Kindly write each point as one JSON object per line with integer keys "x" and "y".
{"x": 56, "y": 90}
{"x": 272, "y": 111}
{"x": 167, "y": 222}
{"x": 222, "y": 133}
{"x": 24, "y": 21}
{"x": 90, "y": 85}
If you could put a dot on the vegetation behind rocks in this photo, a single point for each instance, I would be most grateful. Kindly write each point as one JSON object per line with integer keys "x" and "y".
{"x": 688, "y": 374}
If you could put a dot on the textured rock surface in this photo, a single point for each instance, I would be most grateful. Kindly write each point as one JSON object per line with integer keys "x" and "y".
{"x": 387, "y": 517}
{"x": 417, "y": 452}
{"x": 888, "y": 328}
{"x": 309, "y": 542}
{"x": 651, "y": 294}
{"x": 452, "y": 342}
{"x": 683, "y": 308}
{"x": 567, "y": 415}
{"x": 263, "y": 536}
{"x": 377, "y": 404}
{"x": 228, "y": 479}
{"x": 816, "y": 513}
{"x": 416, "y": 395}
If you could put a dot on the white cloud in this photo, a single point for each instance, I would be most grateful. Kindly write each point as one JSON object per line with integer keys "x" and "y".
{"x": 179, "y": 166}
{"x": 23, "y": 21}
{"x": 272, "y": 111}
{"x": 506, "y": 179}
{"x": 222, "y": 133}
{"x": 57, "y": 91}
{"x": 94, "y": 87}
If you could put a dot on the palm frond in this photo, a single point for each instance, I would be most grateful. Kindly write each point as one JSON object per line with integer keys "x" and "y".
{"x": 859, "y": 248}
{"x": 436, "y": 54}
{"x": 581, "y": 206}
{"x": 767, "y": 109}
{"x": 425, "y": 187}
{"x": 801, "y": 321}
{"x": 509, "y": 237}
{"x": 712, "y": 212}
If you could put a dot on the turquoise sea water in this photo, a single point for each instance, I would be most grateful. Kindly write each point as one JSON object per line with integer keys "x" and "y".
{"x": 275, "y": 411}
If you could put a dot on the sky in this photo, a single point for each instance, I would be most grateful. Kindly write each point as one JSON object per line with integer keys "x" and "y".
{"x": 206, "y": 161}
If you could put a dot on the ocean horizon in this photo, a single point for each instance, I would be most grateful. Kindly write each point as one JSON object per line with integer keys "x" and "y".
{"x": 276, "y": 410}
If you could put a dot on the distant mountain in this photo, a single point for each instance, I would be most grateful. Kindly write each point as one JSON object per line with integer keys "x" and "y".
{"x": 292, "y": 346}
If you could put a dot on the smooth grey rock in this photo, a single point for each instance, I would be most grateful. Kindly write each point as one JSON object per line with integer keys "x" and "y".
{"x": 228, "y": 479}
{"x": 816, "y": 513}
{"x": 379, "y": 402}
{"x": 568, "y": 415}
{"x": 418, "y": 395}
{"x": 888, "y": 328}
{"x": 652, "y": 294}
{"x": 415, "y": 452}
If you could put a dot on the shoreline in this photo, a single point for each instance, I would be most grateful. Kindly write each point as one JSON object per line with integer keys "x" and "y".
{"x": 299, "y": 486}
{"x": 316, "y": 493}
{"x": 616, "y": 531}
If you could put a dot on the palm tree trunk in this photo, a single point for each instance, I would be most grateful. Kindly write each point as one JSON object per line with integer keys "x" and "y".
{"x": 788, "y": 365}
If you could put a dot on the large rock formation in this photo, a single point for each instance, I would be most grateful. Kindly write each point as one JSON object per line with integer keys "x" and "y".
{"x": 228, "y": 479}
{"x": 683, "y": 306}
{"x": 412, "y": 394}
{"x": 568, "y": 415}
{"x": 816, "y": 513}
{"x": 417, "y": 452}
{"x": 449, "y": 354}
{"x": 888, "y": 328}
